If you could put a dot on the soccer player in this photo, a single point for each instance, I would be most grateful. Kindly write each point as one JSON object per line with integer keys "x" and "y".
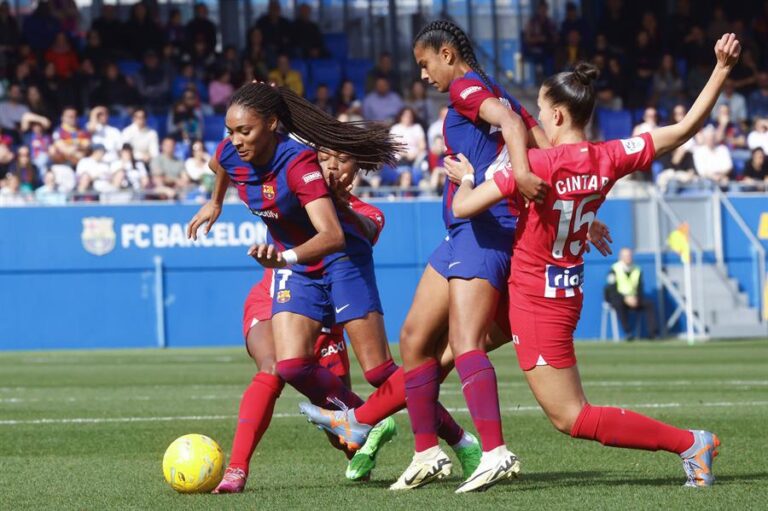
{"x": 545, "y": 282}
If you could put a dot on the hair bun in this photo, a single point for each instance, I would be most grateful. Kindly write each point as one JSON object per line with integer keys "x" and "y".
{"x": 586, "y": 73}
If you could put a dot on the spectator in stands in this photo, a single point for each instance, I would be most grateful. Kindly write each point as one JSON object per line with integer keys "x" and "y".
{"x": 69, "y": 142}
{"x": 40, "y": 28}
{"x": 167, "y": 171}
{"x": 220, "y": 90}
{"x": 6, "y": 154}
{"x": 756, "y": 172}
{"x": 231, "y": 61}
{"x": 353, "y": 114}
{"x": 153, "y": 83}
{"x": 744, "y": 75}
{"x": 322, "y": 99}
{"x": 185, "y": 121}
{"x": 94, "y": 50}
{"x": 131, "y": 172}
{"x": 201, "y": 28}
{"x": 421, "y": 104}
{"x": 679, "y": 23}
{"x": 730, "y": 133}
{"x": 436, "y": 128}
{"x": 141, "y": 137}
{"x": 57, "y": 93}
{"x": 38, "y": 140}
{"x": 66, "y": 12}
{"x": 711, "y": 160}
{"x": 617, "y": 82}
{"x": 62, "y": 56}
{"x": 95, "y": 174}
{"x": 12, "y": 109}
{"x": 256, "y": 55}
{"x": 571, "y": 52}
{"x": 345, "y": 96}
{"x": 381, "y": 104}
{"x": 48, "y": 194}
{"x": 613, "y": 23}
{"x": 196, "y": 170}
{"x": 539, "y": 39}
{"x": 643, "y": 63}
{"x": 718, "y": 21}
{"x": 24, "y": 169}
{"x": 276, "y": 32}
{"x": 573, "y": 21}
{"x": 307, "y": 38}
{"x": 10, "y": 191}
{"x": 668, "y": 86}
{"x": 384, "y": 68}
{"x": 114, "y": 90}
{"x": 202, "y": 58}
{"x": 111, "y": 30}
{"x": 650, "y": 25}
{"x": 186, "y": 80}
{"x": 605, "y": 95}
{"x": 142, "y": 32}
{"x": 9, "y": 36}
{"x": 101, "y": 133}
{"x": 437, "y": 173}
{"x": 283, "y": 75}
{"x": 411, "y": 135}
{"x": 24, "y": 77}
{"x": 736, "y": 102}
{"x": 696, "y": 49}
{"x": 758, "y": 137}
{"x": 624, "y": 290}
{"x": 758, "y": 100}
{"x": 175, "y": 30}
{"x": 650, "y": 122}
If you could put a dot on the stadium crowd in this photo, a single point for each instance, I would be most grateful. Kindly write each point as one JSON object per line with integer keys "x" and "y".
{"x": 98, "y": 114}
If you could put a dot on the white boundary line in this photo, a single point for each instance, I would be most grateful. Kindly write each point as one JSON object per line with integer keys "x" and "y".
{"x": 508, "y": 410}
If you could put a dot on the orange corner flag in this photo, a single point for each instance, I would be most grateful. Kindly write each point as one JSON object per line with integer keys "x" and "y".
{"x": 678, "y": 241}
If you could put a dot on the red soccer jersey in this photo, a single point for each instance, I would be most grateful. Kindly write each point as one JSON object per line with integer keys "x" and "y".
{"x": 551, "y": 236}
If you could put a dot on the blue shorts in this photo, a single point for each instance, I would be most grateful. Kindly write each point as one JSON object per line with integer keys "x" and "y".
{"x": 344, "y": 291}
{"x": 475, "y": 250}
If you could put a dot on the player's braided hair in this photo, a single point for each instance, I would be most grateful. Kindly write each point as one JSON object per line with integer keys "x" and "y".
{"x": 369, "y": 143}
{"x": 440, "y": 32}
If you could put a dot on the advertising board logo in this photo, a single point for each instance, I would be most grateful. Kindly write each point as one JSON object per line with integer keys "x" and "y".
{"x": 98, "y": 235}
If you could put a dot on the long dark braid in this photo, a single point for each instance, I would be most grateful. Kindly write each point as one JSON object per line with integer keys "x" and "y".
{"x": 369, "y": 143}
{"x": 440, "y": 32}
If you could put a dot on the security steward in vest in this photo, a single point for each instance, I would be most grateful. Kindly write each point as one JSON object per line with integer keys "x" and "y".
{"x": 624, "y": 291}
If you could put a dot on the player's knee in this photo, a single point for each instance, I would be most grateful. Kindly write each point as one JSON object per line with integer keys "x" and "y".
{"x": 379, "y": 374}
{"x": 267, "y": 365}
{"x": 563, "y": 419}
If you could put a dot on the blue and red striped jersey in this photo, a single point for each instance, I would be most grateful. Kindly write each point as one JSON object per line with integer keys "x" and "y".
{"x": 278, "y": 191}
{"x": 464, "y": 132}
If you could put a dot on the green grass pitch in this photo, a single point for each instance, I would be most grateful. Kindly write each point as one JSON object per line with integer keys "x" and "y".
{"x": 87, "y": 430}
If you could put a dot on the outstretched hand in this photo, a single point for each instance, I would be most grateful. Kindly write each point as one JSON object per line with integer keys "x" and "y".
{"x": 208, "y": 214}
{"x": 727, "y": 51}
{"x": 600, "y": 236}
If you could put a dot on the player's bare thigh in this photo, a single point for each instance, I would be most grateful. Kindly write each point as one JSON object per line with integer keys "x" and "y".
{"x": 559, "y": 392}
{"x": 473, "y": 305}
{"x": 261, "y": 347}
{"x": 426, "y": 322}
{"x": 294, "y": 335}
{"x": 369, "y": 340}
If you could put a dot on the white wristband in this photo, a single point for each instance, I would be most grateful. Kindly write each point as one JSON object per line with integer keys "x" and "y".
{"x": 470, "y": 178}
{"x": 290, "y": 257}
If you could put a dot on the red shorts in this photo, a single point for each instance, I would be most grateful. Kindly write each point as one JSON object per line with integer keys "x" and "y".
{"x": 542, "y": 329}
{"x": 330, "y": 348}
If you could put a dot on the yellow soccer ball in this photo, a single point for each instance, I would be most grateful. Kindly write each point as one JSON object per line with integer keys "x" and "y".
{"x": 193, "y": 464}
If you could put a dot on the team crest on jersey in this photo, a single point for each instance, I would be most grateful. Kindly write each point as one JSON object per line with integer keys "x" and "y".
{"x": 284, "y": 296}
{"x": 98, "y": 235}
{"x": 268, "y": 191}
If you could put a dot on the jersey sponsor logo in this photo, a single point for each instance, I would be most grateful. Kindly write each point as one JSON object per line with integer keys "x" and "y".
{"x": 469, "y": 91}
{"x": 98, "y": 235}
{"x": 312, "y": 176}
{"x": 633, "y": 145}
{"x": 333, "y": 349}
{"x": 284, "y": 296}
{"x": 565, "y": 278}
{"x": 268, "y": 191}
{"x": 265, "y": 213}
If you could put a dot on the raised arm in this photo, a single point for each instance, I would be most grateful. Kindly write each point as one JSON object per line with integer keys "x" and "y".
{"x": 665, "y": 139}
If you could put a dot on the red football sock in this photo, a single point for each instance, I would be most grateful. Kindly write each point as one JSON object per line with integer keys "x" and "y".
{"x": 318, "y": 383}
{"x": 256, "y": 407}
{"x": 379, "y": 374}
{"x": 388, "y": 399}
{"x": 617, "y": 427}
{"x": 478, "y": 381}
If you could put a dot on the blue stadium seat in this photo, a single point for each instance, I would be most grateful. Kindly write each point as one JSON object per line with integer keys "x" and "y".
{"x": 337, "y": 45}
{"x": 158, "y": 123}
{"x": 300, "y": 65}
{"x": 614, "y": 124}
{"x": 210, "y": 147}
{"x": 327, "y": 71}
{"x": 119, "y": 121}
{"x": 213, "y": 128}
{"x": 129, "y": 67}
{"x": 357, "y": 71}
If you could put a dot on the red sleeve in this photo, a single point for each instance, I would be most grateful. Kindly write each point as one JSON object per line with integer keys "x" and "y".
{"x": 505, "y": 180}
{"x": 305, "y": 177}
{"x": 467, "y": 95}
{"x": 539, "y": 163}
{"x": 371, "y": 212}
{"x": 631, "y": 154}
{"x": 528, "y": 119}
